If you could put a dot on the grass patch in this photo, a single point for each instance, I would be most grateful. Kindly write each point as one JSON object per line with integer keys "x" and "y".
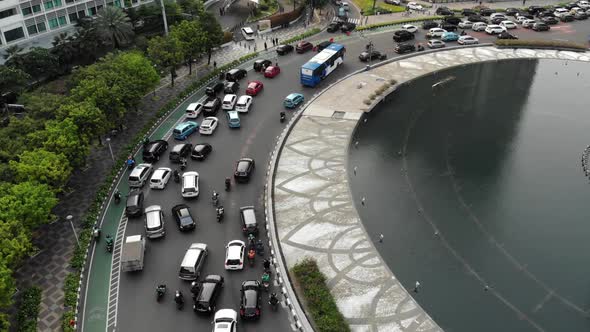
{"x": 302, "y": 36}
{"x": 265, "y": 8}
{"x": 29, "y": 310}
{"x": 540, "y": 44}
{"x": 320, "y": 303}
{"x": 383, "y": 8}
{"x": 397, "y": 22}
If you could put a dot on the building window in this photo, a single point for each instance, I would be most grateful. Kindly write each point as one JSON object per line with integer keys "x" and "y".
{"x": 48, "y": 5}
{"x": 62, "y": 20}
{"x": 118, "y": 3}
{"x": 98, "y": 8}
{"x": 41, "y": 27}
{"x": 81, "y": 14}
{"x": 69, "y": 1}
{"x": 14, "y": 34}
{"x": 53, "y": 23}
{"x": 32, "y": 29}
{"x": 73, "y": 17}
{"x": 7, "y": 13}
{"x": 56, "y": 3}
{"x": 92, "y": 11}
{"x": 36, "y": 8}
{"x": 27, "y": 11}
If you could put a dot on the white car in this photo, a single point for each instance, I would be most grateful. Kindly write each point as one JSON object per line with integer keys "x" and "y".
{"x": 193, "y": 110}
{"x": 226, "y": 320}
{"x": 584, "y": 4}
{"x": 410, "y": 28}
{"x": 160, "y": 178}
{"x": 244, "y": 103}
{"x": 576, "y": 10}
{"x": 465, "y": 24}
{"x": 467, "y": 40}
{"x": 494, "y": 15}
{"x": 528, "y": 23}
{"x": 435, "y": 43}
{"x": 479, "y": 26}
{"x": 208, "y": 125}
{"x": 435, "y": 32}
{"x": 229, "y": 101}
{"x": 521, "y": 19}
{"x": 494, "y": 29}
{"x": 559, "y": 12}
{"x": 508, "y": 25}
{"x": 190, "y": 184}
{"x": 234, "y": 255}
{"x": 415, "y": 6}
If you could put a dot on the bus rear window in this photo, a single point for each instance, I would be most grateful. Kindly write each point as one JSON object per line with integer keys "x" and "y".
{"x": 305, "y": 71}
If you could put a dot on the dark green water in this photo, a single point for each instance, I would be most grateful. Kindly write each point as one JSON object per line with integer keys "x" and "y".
{"x": 492, "y": 162}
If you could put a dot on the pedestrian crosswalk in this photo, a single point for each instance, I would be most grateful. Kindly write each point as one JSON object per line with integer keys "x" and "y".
{"x": 355, "y": 21}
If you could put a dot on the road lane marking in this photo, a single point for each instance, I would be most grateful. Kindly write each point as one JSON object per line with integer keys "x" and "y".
{"x": 114, "y": 276}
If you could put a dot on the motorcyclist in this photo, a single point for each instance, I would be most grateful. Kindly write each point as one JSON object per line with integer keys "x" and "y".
{"x": 463, "y": 33}
{"x": 130, "y": 161}
{"x": 178, "y": 298}
{"x": 273, "y": 299}
{"x": 220, "y": 211}
{"x": 251, "y": 255}
{"x": 182, "y": 163}
{"x": 195, "y": 288}
{"x": 109, "y": 240}
{"x": 176, "y": 175}
{"x": 420, "y": 47}
{"x": 227, "y": 184}
{"x": 117, "y": 196}
{"x": 95, "y": 231}
{"x": 265, "y": 277}
{"x": 259, "y": 247}
{"x": 215, "y": 197}
{"x": 161, "y": 289}
{"x": 282, "y": 114}
{"x": 266, "y": 264}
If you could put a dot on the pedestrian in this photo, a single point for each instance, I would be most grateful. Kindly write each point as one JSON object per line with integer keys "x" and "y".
{"x": 480, "y": 2}
{"x": 381, "y": 238}
{"x": 220, "y": 11}
{"x": 417, "y": 286}
{"x": 523, "y": 2}
{"x": 265, "y": 47}
{"x": 214, "y": 65}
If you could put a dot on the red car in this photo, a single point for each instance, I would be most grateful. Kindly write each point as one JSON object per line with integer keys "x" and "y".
{"x": 254, "y": 87}
{"x": 303, "y": 47}
{"x": 272, "y": 71}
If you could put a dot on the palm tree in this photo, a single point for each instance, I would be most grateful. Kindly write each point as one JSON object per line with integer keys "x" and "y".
{"x": 114, "y": 26}
{"x": 12, "y": 51}
{"x": 88, "y": 42}
{"x": 64, "y": 47}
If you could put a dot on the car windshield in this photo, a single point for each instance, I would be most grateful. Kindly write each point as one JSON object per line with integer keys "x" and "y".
{"x": 243, "y": 166}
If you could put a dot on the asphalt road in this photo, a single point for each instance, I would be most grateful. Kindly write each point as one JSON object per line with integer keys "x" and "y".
{"x": 137, "y": 307}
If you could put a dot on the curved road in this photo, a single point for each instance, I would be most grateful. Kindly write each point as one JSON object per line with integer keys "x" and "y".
{"x": 136, "y": 308}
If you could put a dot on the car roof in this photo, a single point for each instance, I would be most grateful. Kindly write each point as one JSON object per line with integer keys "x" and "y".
{"x": 183, "y": 125}
{"x": 234, "y": 252}
{"x": 233, "y": 114}
{"x": 159, "y": 173}
{"x": 243, "y": 98}
{"x": 229, "y": 97}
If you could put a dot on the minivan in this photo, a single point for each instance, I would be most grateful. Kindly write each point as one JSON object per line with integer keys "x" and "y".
{"x": 154, "y": 222}
{"x": 233, "y": 119}
{"x": 206, "y": 300}
{"x": 235, "y": 74}
{"x": 211, "y": 106}
{"x": 193, "y": 110}
{"x": 139, "y": 175}
{"x": 180, "y": 151}
{"x": 184, "y": 130}
{"x": 193, "y": 261}
{"x": 248, "y": 217}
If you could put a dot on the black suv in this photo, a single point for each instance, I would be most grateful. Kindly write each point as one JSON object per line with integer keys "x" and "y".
{"x": 323, "y": 45}
{"x": 533, "y": 10}
{"x": 511, "y": 11}
{"x": 334, "y": 26}
{"x": 477, "y": 18}
{"x": 235, "y": 74}
{"x": 179, "y": 151}
{"x": 134, "y": 206}
{"x": 347, "y": 27}
{"x": 211, "y": 106}
{"x": 427, "y": 25}
{"x": 261, "y": 64}
{"x": 452, "y": 20}
{"x": 366, "y": 56}
{"x": 402, "y": 36}
{"x": 231, "y": 87}
{"x": 443, "y": 11}
{"x": 248, "y": 218}
{"x": 250, "y": 300}
{"x": 486, "y": 11}
{"x": 201, "y": 151}
{"x": 404, "y": 48}
{"x": 153, "y": 150}
{"x": 206, "y": 300}
{"x": 244, "y": 169}
{"x": 284, "y": 49}
{"x": 449, "y": 27}
{"x": 214, "y": 88}
{"x": 468, "y": 12}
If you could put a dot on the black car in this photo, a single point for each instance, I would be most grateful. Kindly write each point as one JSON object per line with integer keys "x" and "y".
{"x": 549, "y": 20}
{"x": 570, "y": 5}
{"x": 567, "y": 18}
{"x": 201, "y": 151}
{"x": 347, "y": 26}
{"x": 540, "y": 26}
{"x": 153, "y": 150}
{"x": 206, "y": 300}
{"x": 535, "y": 9}
{"x": 323, "y": 45}
{"x": 179, "y": 151}
{"x": 235, "y": 74}
{"x": 248, "y": 218}
{"x": 334, "y": 26}
{"x": 261, "y": 64}
{"x": 366, "y": 56}
{"x": 452, "y": 20}
{"x": 449, "y": 27}
{"x": 402, "y": 36}
{"x": 427, "y": 25}
{"x": 244, "y": 168}
{"x": 214, "y": 88}
{"x": 511, "y": 11}
{"x": 468, "y": 12}
{"x": 231, "y": 87}
{"x": 183, "y": 217}
{"x": 545, "y": 14}
{"x": 284, "y": 49}
{"x": 404, "y": 48}
{"x": 528, "y": 16}
{"x": 506, "y": 35}
{"x": 443, "y": 11}
{"x": 486, "y": 11}
{"x": 134, "y": 206}
{"x": 477, "y": 18}
{"x": 211, "y": 106}
{"x": 250, "y": 300}
{"x": 497, "y": 20}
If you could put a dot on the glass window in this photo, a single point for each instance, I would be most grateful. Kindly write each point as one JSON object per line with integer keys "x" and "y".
{"x": 73, "y": 17}
{"x": 53, "y": 23}
{"x": 27, "y": 11}
{"x": 69, "y": 1}
{"x": 36, "y": 8}
{"x": 41, "y": 27}
{"x": 98, "y": 8}
{"x": 92, "y": 11}
{"x": 62, "y": 20}
{"x": 81, "y": 14}
{"x": 48, "y": 5}
{"x": 14, "y": 34}
{"x": 118, "y": 3}
{"x": 32, "y": 30}
{"x": 7, "y": 13}
{"x": 57, "y": 3}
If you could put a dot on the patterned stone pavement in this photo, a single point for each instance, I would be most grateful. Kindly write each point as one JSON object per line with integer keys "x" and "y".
{"x": 315, "y": 215}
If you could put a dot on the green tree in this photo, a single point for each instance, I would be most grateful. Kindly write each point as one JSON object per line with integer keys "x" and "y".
{"x": 319, "y": 4}
{"x": 212, "y": 33}
{"x": 114, "y": 26}
{"x": 12, "y": 79}
{"x": 191, "y": 39}
{"x": 88, "y": 42}
{"x": 44, "y": 167}
{"x": 64, "y": 47}
{"x": 166, "y": 52}
{"x": 104, "y": 94}
{"x": 63, "y": 137}
{"x": 41, "y": 105}
{"x": 191, "y": 7}
{"x": 28, "y": 202}
{"x": 11, "y": 51}
{"x": 89, "y": 119}
{"x": 37, "y": 62}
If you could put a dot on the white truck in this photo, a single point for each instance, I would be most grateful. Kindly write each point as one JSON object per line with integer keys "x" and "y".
{"x": 132, "y": 255}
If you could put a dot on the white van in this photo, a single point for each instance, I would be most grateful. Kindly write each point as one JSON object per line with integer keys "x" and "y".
{"x": 229, "y": 101}
{"x": 154, "y": 222}
{"x": 139, "y": 175}
{"x": 193, "y": 110}
{"x": 193, "y": 261}
{"x": 248, "y": 33}
{"x": 190, "y": 184}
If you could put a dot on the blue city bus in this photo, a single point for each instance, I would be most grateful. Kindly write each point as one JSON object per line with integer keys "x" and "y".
{"x": 322, "y": 64}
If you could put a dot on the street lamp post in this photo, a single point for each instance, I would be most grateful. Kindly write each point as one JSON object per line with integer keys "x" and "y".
{"x": 110, "y": 149}
{"x": 69, "y": 218}
{"x": 164, "y": 18}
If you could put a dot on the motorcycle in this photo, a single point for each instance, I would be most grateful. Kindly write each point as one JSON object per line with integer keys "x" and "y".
{"x": 96, "y": 233}
{"x": 179, "y": 299}
{"x": 282, "y": 117}
{"x": 109, "y": 243}
{"x": 130, "y": 163}
{"x": 273, "y": 301}
{"x": 220, "y": 212}
{"x": 265, "y": 281}
{"x": 215, "y": 198}
{"x": 227, "y": 184}
{"x": 117, "y": 197}
{"x": 176, "y": 176}
{"x": 160, "y": 291}
{"x": 182, "y": 164}
{"x": 251, "y": 257}
{"x": 260, "y": 248}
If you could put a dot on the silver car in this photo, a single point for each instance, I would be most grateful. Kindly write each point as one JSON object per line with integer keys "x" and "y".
{"x": 435, "y": 43}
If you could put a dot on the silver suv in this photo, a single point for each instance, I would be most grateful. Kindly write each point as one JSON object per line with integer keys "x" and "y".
{"x": 139, "y": 175}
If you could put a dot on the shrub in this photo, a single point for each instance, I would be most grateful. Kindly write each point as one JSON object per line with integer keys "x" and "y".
{"x": 372, "y": 96}
{"x": 65, "y": 324}
{"x": 29, "y": 310}
{"x": 284, "y": 18}
{"x": 227, "y": 37}
{"x": 540, "y": 44}
{"x": 319, "y": 300}
{"x": 71, "y": 289}
{"x": 367, "y": 101}
{"x": 397, "y": 22}
{"x": 304, "y": 35}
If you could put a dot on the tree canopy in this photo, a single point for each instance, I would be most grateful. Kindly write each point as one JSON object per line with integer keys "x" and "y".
{"x": 42, "y": 166}
{"x": 166, "y": 52}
